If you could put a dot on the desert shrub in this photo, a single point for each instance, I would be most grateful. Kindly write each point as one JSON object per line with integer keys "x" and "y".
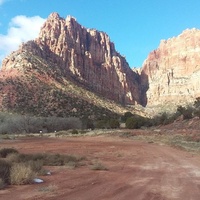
{"x": 162, "y": 119}
{"x": 5, "y": 137}
{"x": 90, "y": 125}
{"x": 13, "y": 157}
{"x": 2, "y": 184}
{"x": 113, "y": 123}
{"x": 126, "y": 116}
{"x": 197, "y": 112}
{"x": 14, "y": 123}
{"x": 54, "y": 160}
{"x": 60, "y": 160}
{"x": 21, "y": 169}
{"x": 6, "y": 151}
{"x": 74, "y": 132}
{"x": 197, "y": 102}
{"x": 21, "y": 173}
{"x": 37, "y": 160}
{"x": 107, "y": 123}
{"x": 31, "y": 157}
{"x": 87, "y": 123}
{"x": 197, "y": 107}
{"x": 5, "y": 171}
{"x": 58, "y": 124}
{"x": 135, "y": 122}
{"x": 101, "y": 124}
{"x": 98, "y": 166}
{"x": 36, "y": 165}
{"x": 187, "y": 112}
{"x": 131, "y": 123}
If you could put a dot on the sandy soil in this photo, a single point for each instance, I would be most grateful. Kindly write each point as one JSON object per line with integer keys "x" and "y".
{"x": 136, "y": 170}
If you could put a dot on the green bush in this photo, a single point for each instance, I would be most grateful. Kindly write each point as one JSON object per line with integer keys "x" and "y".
{"x": 107, "y": 124}
{"x": 74, "y": 132}
{"x": 136, "y": 122}
{"x": 162, "y": 119}
{"x": 101, "y": 124}
{"x": 131, "y": 123}
{"x": 113, "y": 123}
{"x": 126, "y": 116}
{"x": 186, "y": 112}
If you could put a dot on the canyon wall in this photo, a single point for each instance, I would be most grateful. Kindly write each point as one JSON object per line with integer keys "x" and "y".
{"x": 171, "y": 73}
{"x": 65, "y": 50}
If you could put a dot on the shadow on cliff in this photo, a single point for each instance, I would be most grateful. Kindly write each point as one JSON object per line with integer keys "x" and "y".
{"x": 144, "y": 86}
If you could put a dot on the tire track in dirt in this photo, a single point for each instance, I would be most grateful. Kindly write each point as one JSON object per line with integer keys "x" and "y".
{"x": 136, "y": 170}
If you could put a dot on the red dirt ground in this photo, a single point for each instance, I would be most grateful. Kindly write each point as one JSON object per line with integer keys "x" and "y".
{"x": 136, "y": 171}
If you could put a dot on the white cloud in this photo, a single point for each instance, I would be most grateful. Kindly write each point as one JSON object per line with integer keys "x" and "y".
{"x": 2, "y": 1}
{"x": 21, "y": 29}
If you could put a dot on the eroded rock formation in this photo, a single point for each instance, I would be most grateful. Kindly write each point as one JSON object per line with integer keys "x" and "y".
{"x": 86, "y": 54}
{"x": 66, "y": 51}
{"x": 171, "y": 73}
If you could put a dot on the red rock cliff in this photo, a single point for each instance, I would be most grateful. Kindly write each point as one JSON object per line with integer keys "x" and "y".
{"x": 88, "y": 56}
{"x": 172, "y": 72}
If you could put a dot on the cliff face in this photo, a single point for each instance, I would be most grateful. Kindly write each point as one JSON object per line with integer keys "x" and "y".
{"x": 88, "y": 56}
{"x": 64, "y": 72}
{"x": 80, "y": 62}
{"x": 172, "y": 72}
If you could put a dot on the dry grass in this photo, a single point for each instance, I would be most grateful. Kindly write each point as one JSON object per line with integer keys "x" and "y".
{"x": 185, "y": 142}
{"x": 19, "y": 169}
{"x": 21, "y": 174}
{"x": 5, "y": 171}
{"x": 98, "y": 166}
{"x": 6, "y": 151}
{"x": 49, "y": 188}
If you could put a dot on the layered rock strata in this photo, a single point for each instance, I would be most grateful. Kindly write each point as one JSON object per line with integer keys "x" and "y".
{"x": 171, "y": 74}
{"x": 87, "y": 55}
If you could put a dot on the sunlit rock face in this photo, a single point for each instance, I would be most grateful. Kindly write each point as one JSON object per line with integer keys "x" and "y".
{"x": 87, "y": 55}
{"x": 172, "y": 72}
{"x": 90, "y": 57}
{"x": 65, "y": 50}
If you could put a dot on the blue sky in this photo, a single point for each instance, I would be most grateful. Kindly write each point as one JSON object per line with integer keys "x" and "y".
{"x": 136, "y": 27}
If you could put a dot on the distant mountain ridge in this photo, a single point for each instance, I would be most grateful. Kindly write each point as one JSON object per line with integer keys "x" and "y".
{"x": 69, "y": 70}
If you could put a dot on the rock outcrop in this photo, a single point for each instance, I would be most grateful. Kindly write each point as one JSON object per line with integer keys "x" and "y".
{"x": 88, "y": 56}
{"x": 73, "y": 62}
{"x": 69, "y": 66}
{"x": 171, "y": 74}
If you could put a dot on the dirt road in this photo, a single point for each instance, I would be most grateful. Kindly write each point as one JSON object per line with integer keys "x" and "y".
{"x": 136, "y": 171}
